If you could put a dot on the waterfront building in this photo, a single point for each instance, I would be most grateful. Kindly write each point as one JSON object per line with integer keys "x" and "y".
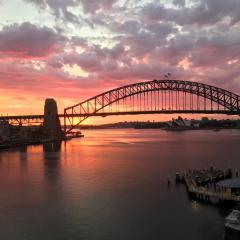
{"x": 231, "y": 186}
{"x": 4, "y": 131}
{"x": 181, "y": 123}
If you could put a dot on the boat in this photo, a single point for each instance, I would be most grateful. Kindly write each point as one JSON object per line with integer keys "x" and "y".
{"x": 77, "y": 134}
{"x": 232, "y": 225}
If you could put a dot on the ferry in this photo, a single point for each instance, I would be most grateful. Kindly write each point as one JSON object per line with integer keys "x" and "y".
{"x": 232, "y": 226}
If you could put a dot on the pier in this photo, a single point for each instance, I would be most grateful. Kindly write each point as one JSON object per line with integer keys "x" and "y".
{"x": 209, "y": 185}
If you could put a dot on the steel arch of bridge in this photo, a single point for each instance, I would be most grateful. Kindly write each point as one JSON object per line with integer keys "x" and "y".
{"x": 95, "y": 106}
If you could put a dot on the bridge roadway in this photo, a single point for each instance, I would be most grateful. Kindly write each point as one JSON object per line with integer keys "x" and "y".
{"x": 104, "y": 114}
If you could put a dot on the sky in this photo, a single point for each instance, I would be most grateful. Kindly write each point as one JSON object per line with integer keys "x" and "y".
{"x": 71, "y": 50}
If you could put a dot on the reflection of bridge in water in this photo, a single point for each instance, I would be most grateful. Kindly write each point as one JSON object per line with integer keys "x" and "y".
{"x": 152, "y": 97}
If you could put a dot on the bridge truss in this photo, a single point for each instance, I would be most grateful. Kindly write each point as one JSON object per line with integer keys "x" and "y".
{"x": 23, "y": 120}
{"x": 154, "y": 97}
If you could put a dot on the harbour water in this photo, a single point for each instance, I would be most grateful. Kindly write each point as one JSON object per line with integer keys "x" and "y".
{"x": 112, "y": 185}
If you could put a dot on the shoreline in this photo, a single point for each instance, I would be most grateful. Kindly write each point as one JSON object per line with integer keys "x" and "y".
{"x": 16, "y": 144}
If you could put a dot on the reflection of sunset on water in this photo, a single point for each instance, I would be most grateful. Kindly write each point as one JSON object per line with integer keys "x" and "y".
{"x": 108, "y": 181}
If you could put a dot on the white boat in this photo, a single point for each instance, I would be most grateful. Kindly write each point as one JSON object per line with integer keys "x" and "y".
{"x": 232, "y": 226}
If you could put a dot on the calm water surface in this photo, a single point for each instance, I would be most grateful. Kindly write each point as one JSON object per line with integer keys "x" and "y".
{"x": 112, "y": 185}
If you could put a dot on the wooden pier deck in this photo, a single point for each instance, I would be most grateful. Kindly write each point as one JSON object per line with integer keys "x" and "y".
{"x": 203, "y": 193}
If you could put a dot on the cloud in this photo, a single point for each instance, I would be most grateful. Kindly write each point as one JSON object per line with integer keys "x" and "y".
{"x": 179, "y": 3}
{"x": 63, "y": 9}
{"x": 202, "y": 12}
{"x": 60, "y": 8}
{"x": 28, "y": 40}
{"x": 95, "y": 5}
{"x": 23, "y": 77}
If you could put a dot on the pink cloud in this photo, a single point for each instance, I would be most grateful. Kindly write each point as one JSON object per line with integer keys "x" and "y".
{"x": 29, "y": 41}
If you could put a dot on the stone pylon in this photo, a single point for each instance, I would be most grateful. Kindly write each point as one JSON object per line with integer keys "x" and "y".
{"x": 51, "y": 123}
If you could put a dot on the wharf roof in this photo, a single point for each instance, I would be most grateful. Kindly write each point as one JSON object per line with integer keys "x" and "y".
{"x": 230, "y": 183}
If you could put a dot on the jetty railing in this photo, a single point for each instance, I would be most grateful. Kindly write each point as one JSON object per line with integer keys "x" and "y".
{"x": 201, "y": 191}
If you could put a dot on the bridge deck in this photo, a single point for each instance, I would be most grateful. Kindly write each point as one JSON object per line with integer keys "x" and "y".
{"x": 103, "y": 114}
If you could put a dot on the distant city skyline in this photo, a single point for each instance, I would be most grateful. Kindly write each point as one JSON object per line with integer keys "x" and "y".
{"x": 74, "y": 49}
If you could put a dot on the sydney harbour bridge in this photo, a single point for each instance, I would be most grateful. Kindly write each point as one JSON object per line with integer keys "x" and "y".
{"x": 149, "y": 97}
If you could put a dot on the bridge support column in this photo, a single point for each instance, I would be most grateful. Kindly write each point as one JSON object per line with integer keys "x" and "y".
{"x": 51, "y": 123}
